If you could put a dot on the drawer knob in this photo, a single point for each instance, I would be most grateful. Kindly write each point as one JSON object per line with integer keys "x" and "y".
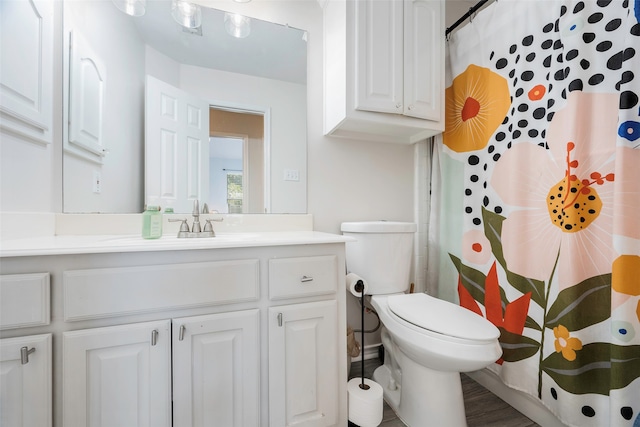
{"x": 306, "y": 279}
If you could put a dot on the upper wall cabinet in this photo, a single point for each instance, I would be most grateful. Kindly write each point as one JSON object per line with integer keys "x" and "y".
{"x": 384, "y": 69}
{"x": 26, "y": 69}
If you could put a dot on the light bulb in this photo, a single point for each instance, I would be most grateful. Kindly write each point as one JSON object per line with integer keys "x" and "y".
{"x": 131, "y": 7}
{"x": 186, "y": 14}
{"x": 237, "y": 25}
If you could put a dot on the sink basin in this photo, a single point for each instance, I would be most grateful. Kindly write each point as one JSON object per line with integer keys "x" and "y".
{"x": 174, "y": 240}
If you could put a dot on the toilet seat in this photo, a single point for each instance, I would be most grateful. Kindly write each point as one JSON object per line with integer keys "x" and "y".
{"x": 443, "y": 317}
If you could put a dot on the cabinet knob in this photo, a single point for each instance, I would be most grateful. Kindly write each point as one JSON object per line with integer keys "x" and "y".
{"x": 279, "y": 319}
{"x": 24, "y": 354}
{"x": 181, "y": 333}
{"x": 306, "y": 279}
{"x": 154, "y": 337}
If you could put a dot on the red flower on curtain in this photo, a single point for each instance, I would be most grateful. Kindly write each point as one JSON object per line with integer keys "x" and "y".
{"x": 515, "y": 314}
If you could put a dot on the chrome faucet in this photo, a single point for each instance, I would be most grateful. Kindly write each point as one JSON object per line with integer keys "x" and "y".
{"x": 196, "y": 217}
{"x": 196, "y": 229}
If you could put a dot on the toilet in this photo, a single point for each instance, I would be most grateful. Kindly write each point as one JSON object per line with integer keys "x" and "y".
{"x": 427, "y": 341}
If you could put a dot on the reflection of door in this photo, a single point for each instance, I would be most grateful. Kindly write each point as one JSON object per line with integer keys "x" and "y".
{"x": 176, "y": 146}
{"x": 238, "y": 144}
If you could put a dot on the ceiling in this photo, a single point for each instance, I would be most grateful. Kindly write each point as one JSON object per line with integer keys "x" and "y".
{"x": 271, "y": 50}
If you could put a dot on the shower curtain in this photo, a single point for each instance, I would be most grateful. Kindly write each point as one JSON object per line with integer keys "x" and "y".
{"x": 540, "y": 198}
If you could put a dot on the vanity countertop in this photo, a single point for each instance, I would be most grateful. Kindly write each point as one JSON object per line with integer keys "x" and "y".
{"x": 92, "y": 244}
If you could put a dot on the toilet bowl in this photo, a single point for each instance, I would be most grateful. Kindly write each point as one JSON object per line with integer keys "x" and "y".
{"x": 427, "y": 341}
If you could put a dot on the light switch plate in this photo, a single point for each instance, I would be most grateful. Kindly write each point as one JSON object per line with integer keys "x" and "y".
{"x": 291, "y": 175}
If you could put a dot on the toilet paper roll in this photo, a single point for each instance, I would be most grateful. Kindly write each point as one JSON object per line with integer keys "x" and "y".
{"x": 352, "y": 279}
{"x": 365, "y": 406}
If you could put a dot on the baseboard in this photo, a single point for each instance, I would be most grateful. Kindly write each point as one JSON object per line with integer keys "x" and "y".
{"x": 370, "y": 352}
{"x": 522, "y": 402}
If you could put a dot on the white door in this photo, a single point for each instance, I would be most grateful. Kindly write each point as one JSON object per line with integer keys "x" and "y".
{"x": 379, "y": 56}
{"x": 25, "y": 381}
{"x": 176, "y": 146}
{"x": 422, "y": 58}
{"x": 303, "y": 365}
{"x": 216, "y": 370}
{"x": 118, "y": 376}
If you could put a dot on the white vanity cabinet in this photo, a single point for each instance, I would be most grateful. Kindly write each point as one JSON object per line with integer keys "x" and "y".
{"x": 25, "y": 359}
{"x": 118, "y": 376}
{"x": 384, "y": 69}
{"x": 232, "y": 336}
{"x": 216, "y": 370}
{"x": 303, "y": 373}
{"x": 121, "y": 375}
{"x": 25, "y": 378}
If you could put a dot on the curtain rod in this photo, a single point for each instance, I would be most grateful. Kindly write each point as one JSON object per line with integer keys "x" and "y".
{"x": 464, "y": 17}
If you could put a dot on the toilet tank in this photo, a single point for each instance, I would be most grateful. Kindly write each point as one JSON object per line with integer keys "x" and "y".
{"x": 381, "y": 254}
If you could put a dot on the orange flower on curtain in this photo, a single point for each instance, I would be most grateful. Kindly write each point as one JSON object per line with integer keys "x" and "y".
{"x": 475, "y": 105}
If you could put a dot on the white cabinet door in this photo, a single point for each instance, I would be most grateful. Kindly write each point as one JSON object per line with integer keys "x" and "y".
{"x": 379, "y": 56}
{"x": 26, "y": 68}
{"x": 25, "y": 382}
{"x": 118, "y": 376}
{"x": 216, "y": 370}
{"x": 422, "y": 59}
{"x": 303, "y": 365}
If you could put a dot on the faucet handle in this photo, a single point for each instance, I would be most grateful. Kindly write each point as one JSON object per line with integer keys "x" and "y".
{"x": 184, "y": 227}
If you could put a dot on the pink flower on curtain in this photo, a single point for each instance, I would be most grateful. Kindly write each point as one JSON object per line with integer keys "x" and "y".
{"x": 565, "y": 194}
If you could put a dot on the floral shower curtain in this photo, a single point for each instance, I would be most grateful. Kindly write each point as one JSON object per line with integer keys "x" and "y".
{"x": 540, "y": 179}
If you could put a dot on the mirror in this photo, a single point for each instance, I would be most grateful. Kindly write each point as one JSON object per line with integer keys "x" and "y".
{"x": 116, "y": 157}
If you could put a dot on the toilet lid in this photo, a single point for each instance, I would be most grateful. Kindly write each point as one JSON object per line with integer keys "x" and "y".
{"x": 442, "y": 316}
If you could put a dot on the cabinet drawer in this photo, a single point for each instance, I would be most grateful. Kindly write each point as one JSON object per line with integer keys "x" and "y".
{"x": 303, "y": 276}
{"x": 109, "y": 292}
{"x": 24, "y": 300}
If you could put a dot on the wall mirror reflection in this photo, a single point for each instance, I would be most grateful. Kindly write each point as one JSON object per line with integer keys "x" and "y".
{"x": 212, "y": 108}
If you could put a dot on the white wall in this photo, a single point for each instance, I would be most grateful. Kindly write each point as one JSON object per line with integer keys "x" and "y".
{"x": 124, "y": 60}
{"x": 288, "y": 123}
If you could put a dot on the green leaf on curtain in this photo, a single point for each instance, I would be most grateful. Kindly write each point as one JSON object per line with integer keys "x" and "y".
{"x": 530, "y": 323}
{"x": 598, "y": 368}
{"x": 474, "y": 281}
{"x": 582, "y": 305}
{"x": 517, "y": 347}
{"x": 493, "y": 232}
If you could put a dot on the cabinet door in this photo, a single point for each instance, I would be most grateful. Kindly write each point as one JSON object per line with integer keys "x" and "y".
{"x": 25, "y": 383}
{"x": 303, "y": 365}
{"x": 26, "y": 68}
{"x": 216, "y": 370}
{"x": 118, "y": 376}
{"x": 379, "y": 56}
{"x": 422, "y": 59}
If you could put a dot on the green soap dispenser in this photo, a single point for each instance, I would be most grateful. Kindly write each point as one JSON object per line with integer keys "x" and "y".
{"x": 152, "y": 222}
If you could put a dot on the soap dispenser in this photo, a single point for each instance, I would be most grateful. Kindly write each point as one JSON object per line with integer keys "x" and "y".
{"x": 152, "y": 221}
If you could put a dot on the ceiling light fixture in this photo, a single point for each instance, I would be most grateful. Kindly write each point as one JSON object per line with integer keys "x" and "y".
{"x": 187, "y": 14}
{"x": 237, "y": 25}
{"x": 131, "y": 7}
